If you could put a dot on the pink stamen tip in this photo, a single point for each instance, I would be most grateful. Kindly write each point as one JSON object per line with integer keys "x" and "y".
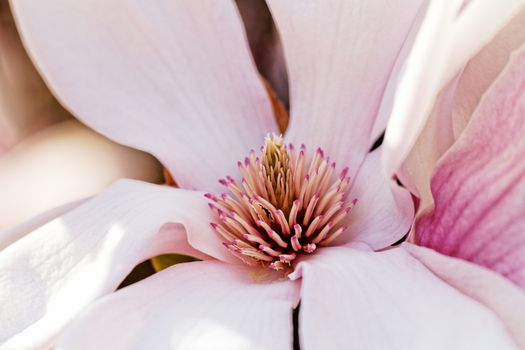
{"x": 229, "y": 178}
{"x": 214, "y": 225}
{"x": 291, "y": 147}
{"x": 223, "y": 182}
{"x": 320, "y": 152}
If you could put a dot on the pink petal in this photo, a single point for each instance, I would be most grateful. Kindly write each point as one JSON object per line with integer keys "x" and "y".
{"x": 202, "y": 305}
{"x": 384, "y": 211}
{"x": 51, "y": 274}
{"x": 360, "y": 300}
{"x": 448, "y": 38}
{"x": 340, "y": 56}
{"x": 454, "y": 106}
{"x": 26, "y": 105}
{"x": 479, "y": 185}
{"x": 174, "y": 78}
{"x": 505, "y": 299}
{"x": 484, "y": 68}
{"x": 62, "y": 163}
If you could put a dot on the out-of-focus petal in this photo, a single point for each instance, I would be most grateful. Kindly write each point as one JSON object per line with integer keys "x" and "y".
{"x": 448, "y": 38}
{"x": 479, "y": 184}
{"x": 388, "y": 300}
{"x": 63, "y": 163}
{"x": 384, "y": 211}
{"x": 26, "y": 105}
{"x": 50, "y": 275}
{"x": 202, "y": 305}
{"x": 174, "y": 78}
{"x": 505, "y": 299}
{"x": 340, "y": 55}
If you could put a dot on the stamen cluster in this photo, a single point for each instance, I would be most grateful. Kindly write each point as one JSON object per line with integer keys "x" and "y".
{"x": 285, "y": 204}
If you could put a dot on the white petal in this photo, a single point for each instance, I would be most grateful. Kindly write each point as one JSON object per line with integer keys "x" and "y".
{"x": 340, "y": 56}
{"x": 352, "y": 299}
{"x": 50, "y": 275}
{"x": 174, "y": 78}
{"x": 447, "y": 40}
{"x": 202, "y": 305}
{"x": 384, "y": 211}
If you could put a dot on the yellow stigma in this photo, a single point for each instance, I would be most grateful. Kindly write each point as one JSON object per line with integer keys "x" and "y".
{"x": 277, "y": 172}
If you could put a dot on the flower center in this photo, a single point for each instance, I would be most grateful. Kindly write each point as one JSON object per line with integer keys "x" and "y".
{"x": 287, "y": 203}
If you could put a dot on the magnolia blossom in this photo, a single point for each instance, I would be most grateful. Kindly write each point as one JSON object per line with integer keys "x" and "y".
{"x": 304, "y": 222}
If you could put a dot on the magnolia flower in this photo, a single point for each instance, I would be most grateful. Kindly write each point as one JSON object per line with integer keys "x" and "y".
{"x": 177, "y": 79}
{"x": 46, "y": 157}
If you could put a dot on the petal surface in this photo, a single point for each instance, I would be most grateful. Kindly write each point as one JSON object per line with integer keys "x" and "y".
{"x": 173, "y": 78}
{"x": 340, "y": 56}
{"x": 454, "y": 107}
{"x": 352, "y": 299}
{"x": 482, "y": 70}
{"x": 450, "y": 35}
{"x": 384, "y": 211}
{"x": 12, "y": 234}
{"x": 435, "y": 139}
{"x": 202, "y": 305}
{"x": 50, "y": 275}
{"x": 501, "y": 296}
{"x": 479, "y": 184}
{"x": 63, "y": 163}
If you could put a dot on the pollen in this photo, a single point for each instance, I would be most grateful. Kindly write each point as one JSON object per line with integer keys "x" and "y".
{"x": 287, "y": 203}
